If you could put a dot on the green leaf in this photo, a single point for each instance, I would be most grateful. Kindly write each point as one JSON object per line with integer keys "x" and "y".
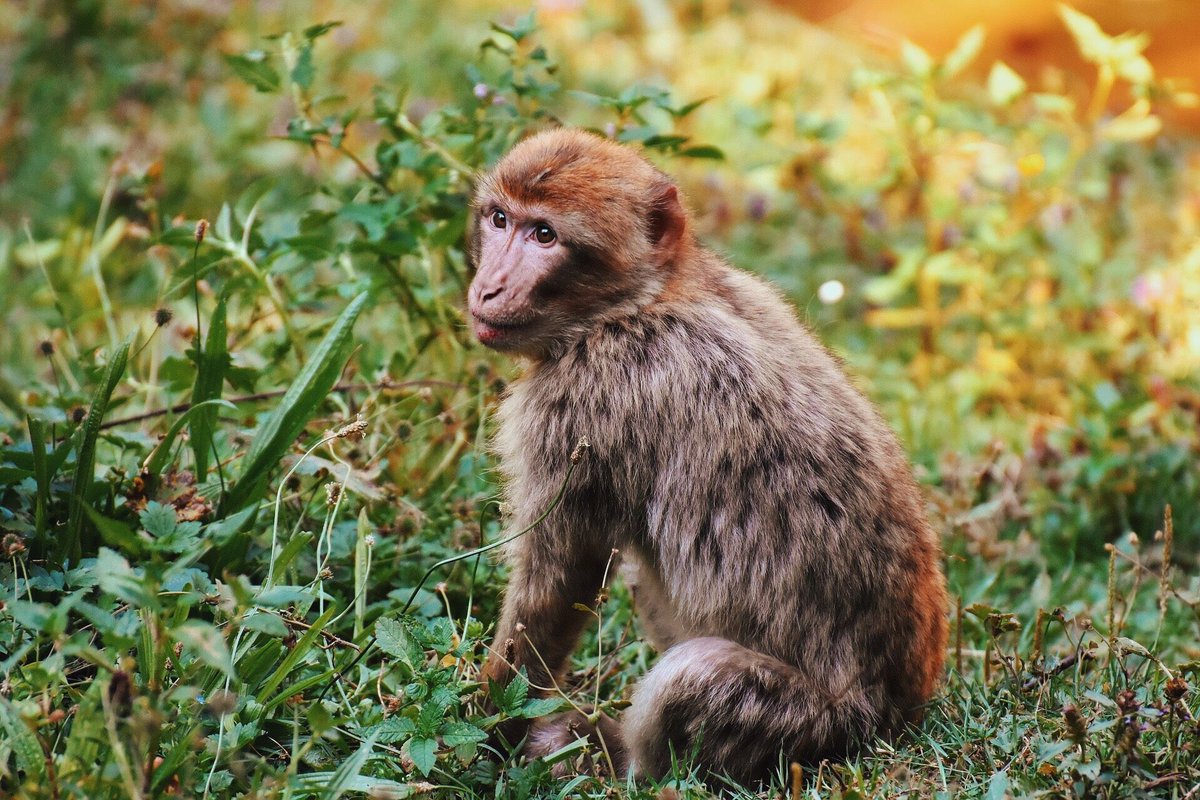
{"x": 394, "y": 639}
{"x": 157, "y": 519}
{"x": 423, "y": 753}
{"x": 703, "y": 151}
{"x": 254, "y": 69}
{"x": 392, "y": 730}
{"x": 302, "y": 73}
{"x": 117, "y": 578}
{"x": 457, "y": 733}
{"x": 210, "y": 377}
{"x": 85, "y": 463}
{"x": 23, "y": 742}
{"x": 540, "y": 707}
{"x": 116, "y": 534}
{"x": 206, "y": 643}
{"x": 279, "y": 431}
{"x": 317, "y": 31}
{"x": 161, "y": 454}
{"x": 302, "y": 647}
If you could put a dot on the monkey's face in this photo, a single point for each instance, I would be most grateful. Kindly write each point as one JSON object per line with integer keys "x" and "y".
{"x": 520, "y": 255}
{"x": 569, "y": 230}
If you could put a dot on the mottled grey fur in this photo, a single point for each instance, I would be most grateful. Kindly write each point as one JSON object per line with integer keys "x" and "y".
{"x": 773, "y": 535}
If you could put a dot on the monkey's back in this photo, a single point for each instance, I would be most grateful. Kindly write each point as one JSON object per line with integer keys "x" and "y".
{"x": 735, "y": 458}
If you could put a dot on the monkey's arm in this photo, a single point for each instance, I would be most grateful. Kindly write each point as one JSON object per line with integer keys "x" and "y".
{"x": 539, "y": 623}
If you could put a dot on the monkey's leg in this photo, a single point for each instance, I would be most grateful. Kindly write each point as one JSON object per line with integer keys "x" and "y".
{"x": 736, "y": 709}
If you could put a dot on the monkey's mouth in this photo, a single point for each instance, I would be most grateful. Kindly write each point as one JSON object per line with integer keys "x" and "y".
{"x": 496, "y": 333}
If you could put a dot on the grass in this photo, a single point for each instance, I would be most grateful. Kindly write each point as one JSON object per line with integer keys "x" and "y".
{"x": 246, "y": 496}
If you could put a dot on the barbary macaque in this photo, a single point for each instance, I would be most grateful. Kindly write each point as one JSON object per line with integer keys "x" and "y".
{"x": 771, "y": 531}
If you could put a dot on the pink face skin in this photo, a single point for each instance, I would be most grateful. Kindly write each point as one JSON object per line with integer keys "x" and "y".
{"x": 516, "y": 253}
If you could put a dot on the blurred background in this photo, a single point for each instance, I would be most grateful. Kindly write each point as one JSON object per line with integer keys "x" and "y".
{"x": 989, "y": 210}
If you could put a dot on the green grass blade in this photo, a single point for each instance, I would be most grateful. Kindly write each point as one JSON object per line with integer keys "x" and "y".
{"x": 285, "y": 423}
{"x": 41, "y": 473}
{"x": 211, "y": 364}
{"x": 71, "y": 545}
{"x": 158, "y": 458}
{"x": 301, "y": 648}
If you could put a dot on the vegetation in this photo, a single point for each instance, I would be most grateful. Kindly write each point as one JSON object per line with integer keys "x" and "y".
{"x": 244, "y": 465}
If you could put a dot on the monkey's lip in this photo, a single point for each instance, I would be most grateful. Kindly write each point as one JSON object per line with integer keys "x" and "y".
{"x": 495, "y": 332}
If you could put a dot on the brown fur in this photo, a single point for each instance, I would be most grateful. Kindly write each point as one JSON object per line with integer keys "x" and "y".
{"x": 771, "y": 528}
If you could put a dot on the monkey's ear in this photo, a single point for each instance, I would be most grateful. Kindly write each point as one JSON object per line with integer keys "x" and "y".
{"x": 668, "y": 221}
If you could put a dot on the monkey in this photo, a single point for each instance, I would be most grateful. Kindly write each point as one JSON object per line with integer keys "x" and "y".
{"x": 768, "y": 522}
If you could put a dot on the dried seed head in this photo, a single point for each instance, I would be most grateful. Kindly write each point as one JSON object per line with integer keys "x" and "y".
{"x": 12, "y": 545}
{"x": 1175, "y": 689}
{"x": 355, "y": 430}
{"x": 201, "y": 229}
{"x": 46, "y": 347}
{"x": 162, "y": 316}
{"x": 1076, "y": 728}
{"x": 1128, "y": 703}
{"x": 333, "y": 491}
{"x": 577, "y": 453}
{"x": 78, "y": 413}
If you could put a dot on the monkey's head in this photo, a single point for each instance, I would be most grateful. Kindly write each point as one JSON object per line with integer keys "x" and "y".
{"x": 568, "y": 231}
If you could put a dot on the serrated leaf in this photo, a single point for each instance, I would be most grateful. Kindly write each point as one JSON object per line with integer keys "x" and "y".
{"x": 255, "y": 70}
{"x": 281, "y": 428}
{"x": 157, "y": 519}
{"x": 394, "y": 639}
{"x": 540, "y": 707}
{"x": 459, "y": 733}
{"x": 423, "y": 753}
{"x": 392, "y": 730}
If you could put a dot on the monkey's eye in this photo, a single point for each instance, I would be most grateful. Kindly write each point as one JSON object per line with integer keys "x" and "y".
{"x": 499, "y": 220}
{"x": 544, "y": 234}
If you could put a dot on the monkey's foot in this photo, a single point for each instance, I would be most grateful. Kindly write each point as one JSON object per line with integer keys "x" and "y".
{"x": 605, "y": 755}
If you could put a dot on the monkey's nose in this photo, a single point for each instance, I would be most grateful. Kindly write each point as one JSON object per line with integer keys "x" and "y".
{"x": 489, "y": 294}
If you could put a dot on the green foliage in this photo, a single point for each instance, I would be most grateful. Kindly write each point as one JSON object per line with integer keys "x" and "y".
{"x": 241, "y": 555}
